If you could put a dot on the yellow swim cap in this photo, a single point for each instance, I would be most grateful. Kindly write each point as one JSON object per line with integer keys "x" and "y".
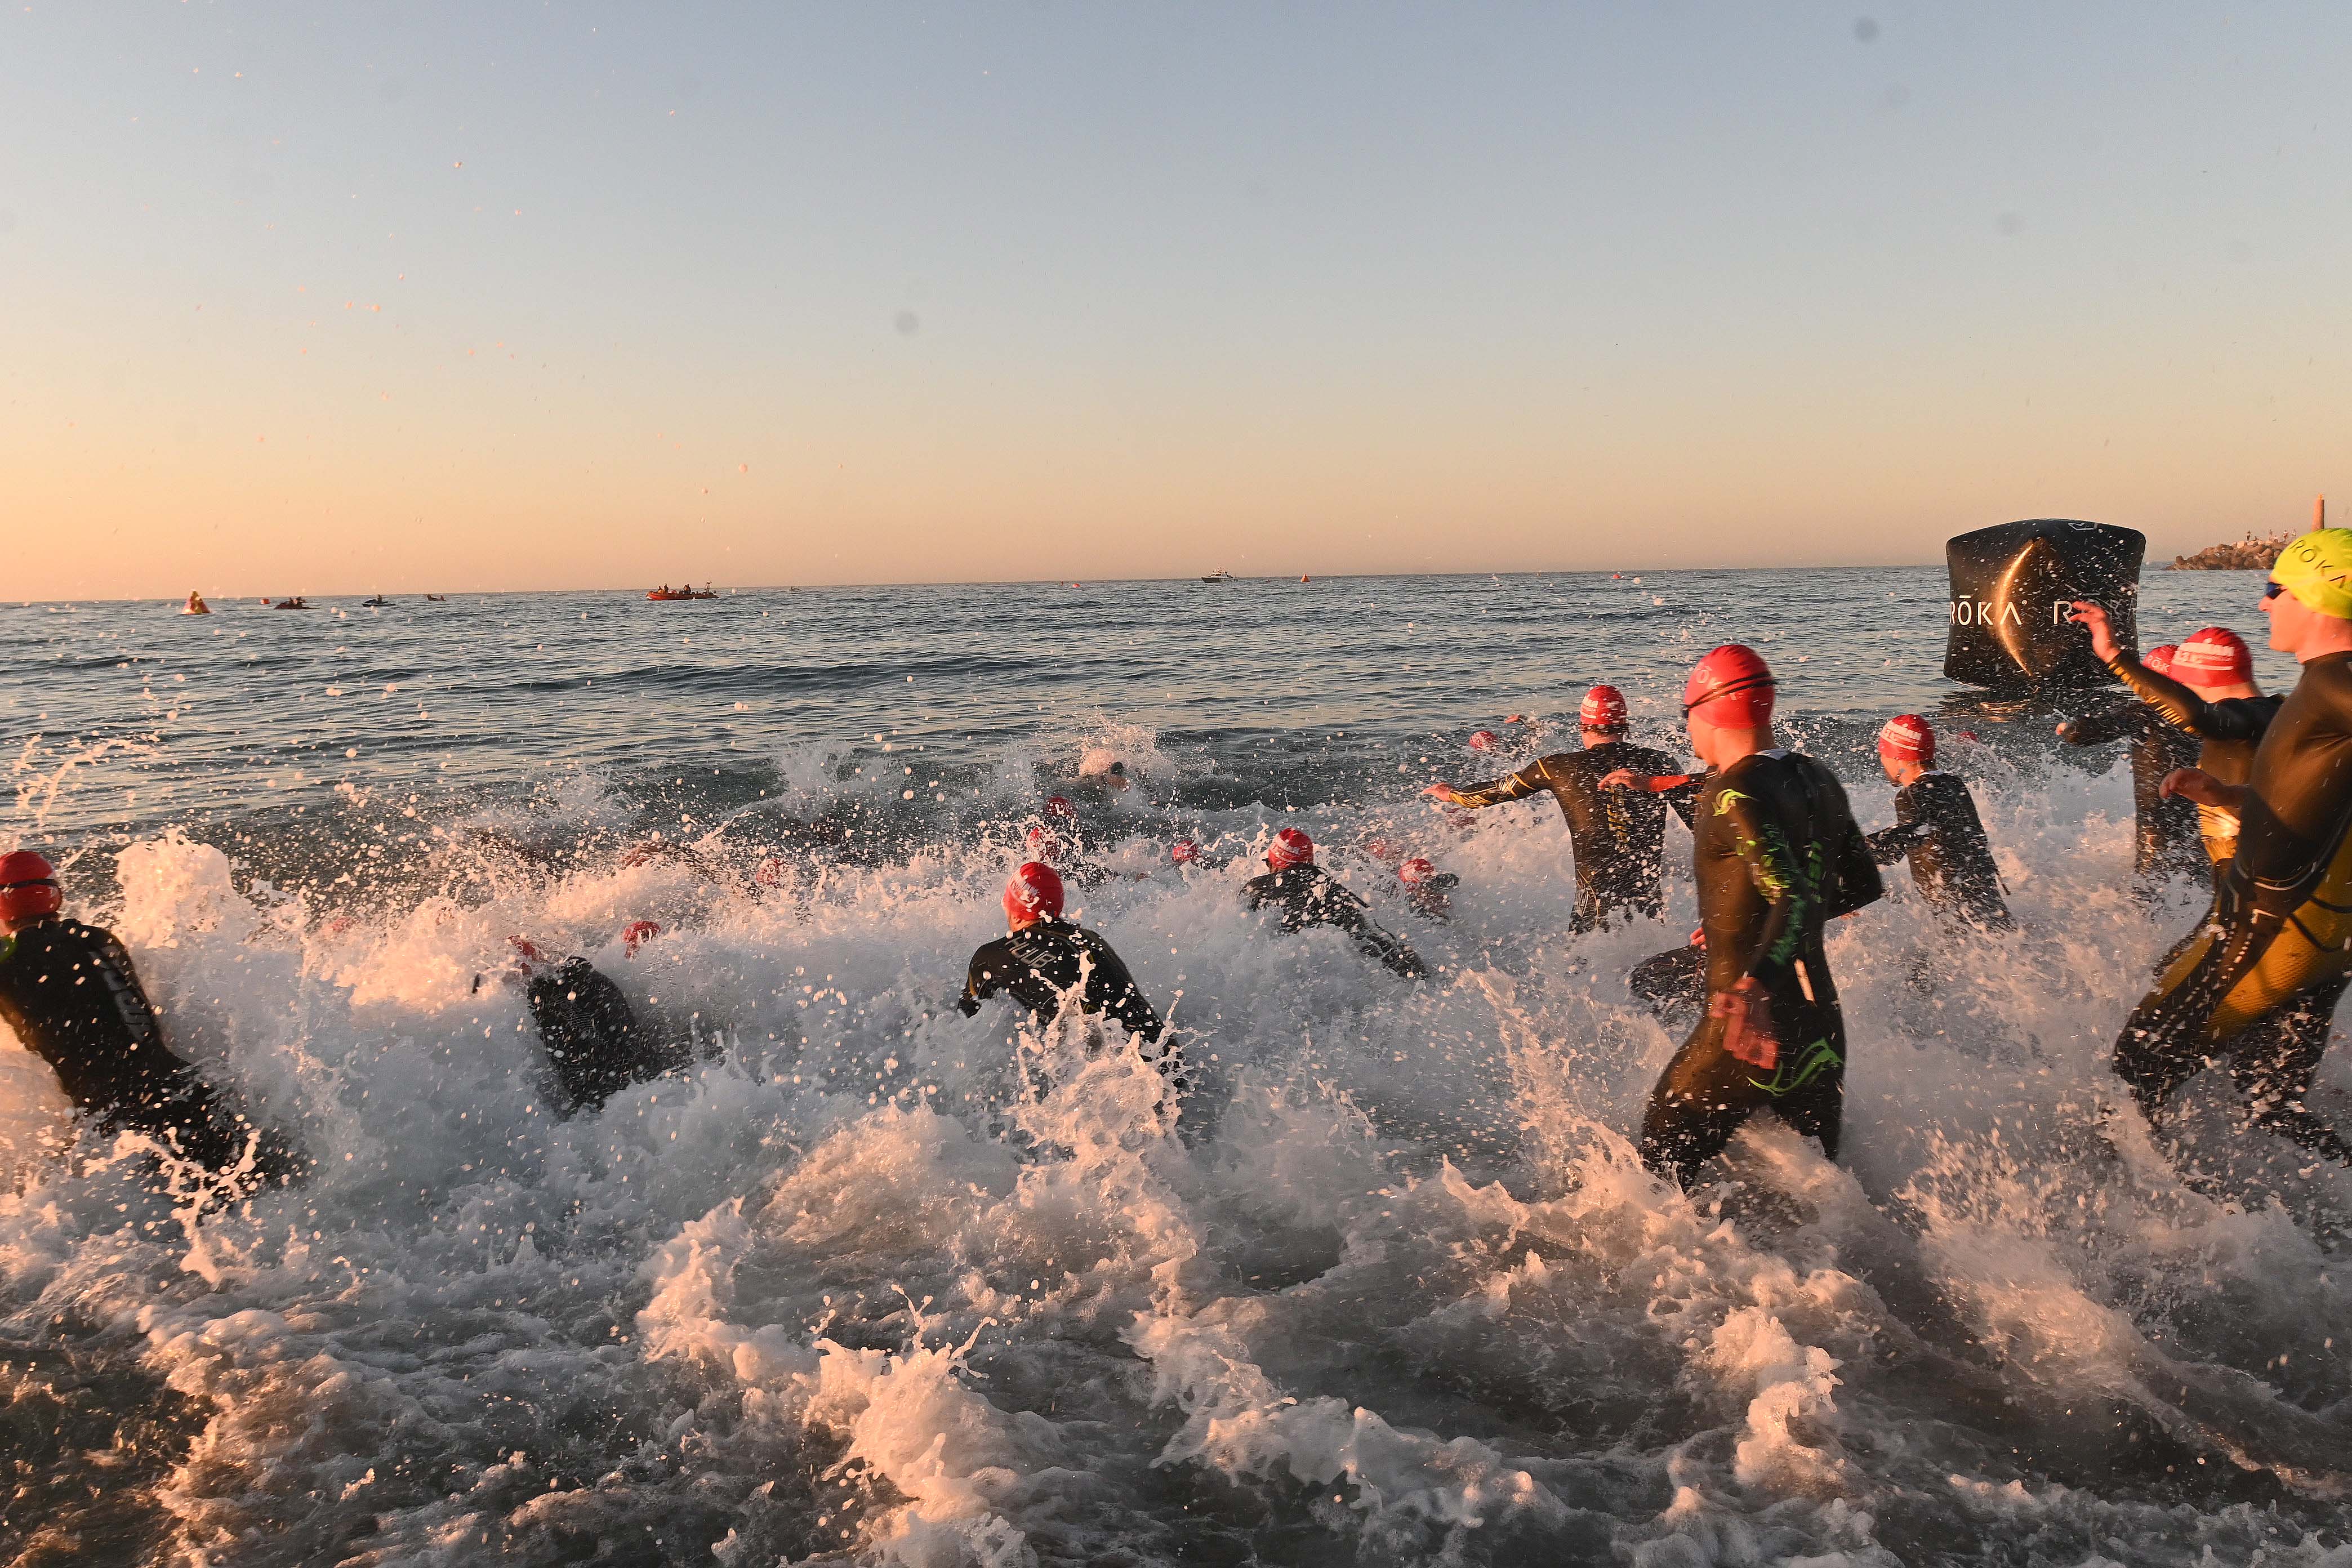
{"x": 2317, "y": 570}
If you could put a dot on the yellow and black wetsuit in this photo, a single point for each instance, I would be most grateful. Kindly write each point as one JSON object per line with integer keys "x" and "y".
{"x": 2166, "y": 844}
{"x": 2258, "y": 984}
{"x": 2230, "y": 729}
{"x": 1777, "y": 856}
{"x": 1617, "y": 836}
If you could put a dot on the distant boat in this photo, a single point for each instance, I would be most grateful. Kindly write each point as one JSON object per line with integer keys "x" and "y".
{"x": 378, "y": 602}
{"x": 195, "y": 605}
{"x": 296, "y": 603}
{"x": 1218, "y": 577}
{"x": 664, "y": 594}
{"x": 436, "y": 599}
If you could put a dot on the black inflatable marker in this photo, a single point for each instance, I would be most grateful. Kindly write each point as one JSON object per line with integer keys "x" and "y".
{"x": 2012, "y": 586}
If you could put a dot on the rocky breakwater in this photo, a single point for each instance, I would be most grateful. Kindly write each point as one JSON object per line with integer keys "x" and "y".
{"x": 2249, "y": 554}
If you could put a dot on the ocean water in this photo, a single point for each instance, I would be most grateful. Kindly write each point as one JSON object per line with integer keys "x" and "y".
{"x": 876, "y": 1283}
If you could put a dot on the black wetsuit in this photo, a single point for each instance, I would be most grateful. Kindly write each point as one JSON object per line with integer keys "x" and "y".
{"x": 1310, "y": 896}
{"x": 1937, "y": 826}
{"x": 2258, "y": 984}
{"x": 1777, "y": 855}
{"x": 592, "y": 1036}
{"x": 1617, "y": 836}
{"x": 2229, "y": 731}
{"x": 71, "y": 995}
{"x": 1038, "y": 965}
{"x": 2166, "y": 844}
{"x": 1041, "y": 965}
{"x": 1432, "y": 898}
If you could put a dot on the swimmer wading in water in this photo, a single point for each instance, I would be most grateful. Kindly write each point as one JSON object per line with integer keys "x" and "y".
{"x": 2256, "y": 986}
{"x": 2165, "y": 842}
{"x": 69, "y": 992}
{"x": 1045, "y": 964}
{"x": 1777, "y": 856}
{"x": 2211, "y": 696}
{"x": 1617, "y": 836}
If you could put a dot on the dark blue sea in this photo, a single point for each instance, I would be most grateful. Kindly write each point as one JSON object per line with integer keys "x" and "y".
{"x": 873, "y": 1282}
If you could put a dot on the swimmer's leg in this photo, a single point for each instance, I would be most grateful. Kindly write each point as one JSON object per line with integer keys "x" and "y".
{"x": 2162, "y": 1043}
{"x": 1700, "y": 1101}
{"x": 2273, "y": 1062}
{"x": 1816, "y": 1108}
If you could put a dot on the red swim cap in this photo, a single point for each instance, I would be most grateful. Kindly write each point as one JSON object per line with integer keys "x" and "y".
{"x": 1290, "y": 848}
{"x": 1603, "y": 708}
{"x": 1043, "y": 846}
{"x": 1384, "y": 851}
{"x": 2214, "y": 657}
{"x": 1908, "y": 738}
{"x": 2159, "y": 658}
{"x": 1183, "y": 852}
{"x": 1415, "y": 871}
{"x": 28, "y": 888}
{"x": 1035, "y": 893}
{"x": 635, "y": 933}
{"x": 1059, "y": 805}
{"x": 1734, "y": 685}
{"x": 1482, "y": 740}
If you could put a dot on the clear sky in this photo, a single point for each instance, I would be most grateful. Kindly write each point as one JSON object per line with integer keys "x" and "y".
{"x": 324, "y": 298}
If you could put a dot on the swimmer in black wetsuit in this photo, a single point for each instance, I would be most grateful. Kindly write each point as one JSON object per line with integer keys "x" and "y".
{"x": 1044, "y": 962}
{"x": 592, "y": 1036}
{"x": 69, "y": 992}
{"x": 2211, "y": 694}
{"x": 1308, "y": 896}
{"x": 1428, "y": 889}
{"x": 1777, "y": 855}
{"x": 2257, "y": 984}
{"x": 1050, "y": 848}
{"x": 1618, "y": 838}
{"x": 1938, "y": 829}
{"x": 2166, "y": 843}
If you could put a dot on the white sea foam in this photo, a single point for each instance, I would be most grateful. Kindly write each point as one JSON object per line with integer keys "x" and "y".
{"x": 875, "y": 1282}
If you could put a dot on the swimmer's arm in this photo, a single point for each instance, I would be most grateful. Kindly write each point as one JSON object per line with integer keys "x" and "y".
{"x": 2180, "y": 707}
{"x": 1391, "y": 951}
{"x": 2095, "y": 729}
{"x": 1889, "y": 845}
{"x": 2197, "y": 784}
{"x": 980, "y": 981}
{"x": 1533, "y": 779}
{"x": 1773, "y": 869}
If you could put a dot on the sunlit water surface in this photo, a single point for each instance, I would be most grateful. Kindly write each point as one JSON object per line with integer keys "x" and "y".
{"x": 878, "y": 1283}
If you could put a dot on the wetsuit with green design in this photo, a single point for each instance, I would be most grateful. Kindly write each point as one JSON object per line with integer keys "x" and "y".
{"x": 1777, "y": 855}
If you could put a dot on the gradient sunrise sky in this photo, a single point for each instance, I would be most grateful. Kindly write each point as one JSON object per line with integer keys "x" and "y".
{"x": 329, "y": 299}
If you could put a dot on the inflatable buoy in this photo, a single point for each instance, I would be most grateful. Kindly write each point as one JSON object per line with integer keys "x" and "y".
{"x": 2011, "y": 586}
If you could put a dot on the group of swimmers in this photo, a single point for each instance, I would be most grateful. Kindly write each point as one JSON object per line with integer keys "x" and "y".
{"x": 1777, "y": 855}
{"x": 2265, "y": 782}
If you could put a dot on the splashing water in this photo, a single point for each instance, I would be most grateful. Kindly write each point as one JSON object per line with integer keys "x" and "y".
{"x": 873, "y": 1282}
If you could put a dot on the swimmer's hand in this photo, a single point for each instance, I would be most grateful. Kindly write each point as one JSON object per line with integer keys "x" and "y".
{"x": 1445, "y": 792}
{"x": 1624, "y": 778}
{"x": 2065, "y": 731}
{"x": 2203, "y": 788}
{"x": 2093, "y": 620}
{"x": 1748, "y": 1031}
